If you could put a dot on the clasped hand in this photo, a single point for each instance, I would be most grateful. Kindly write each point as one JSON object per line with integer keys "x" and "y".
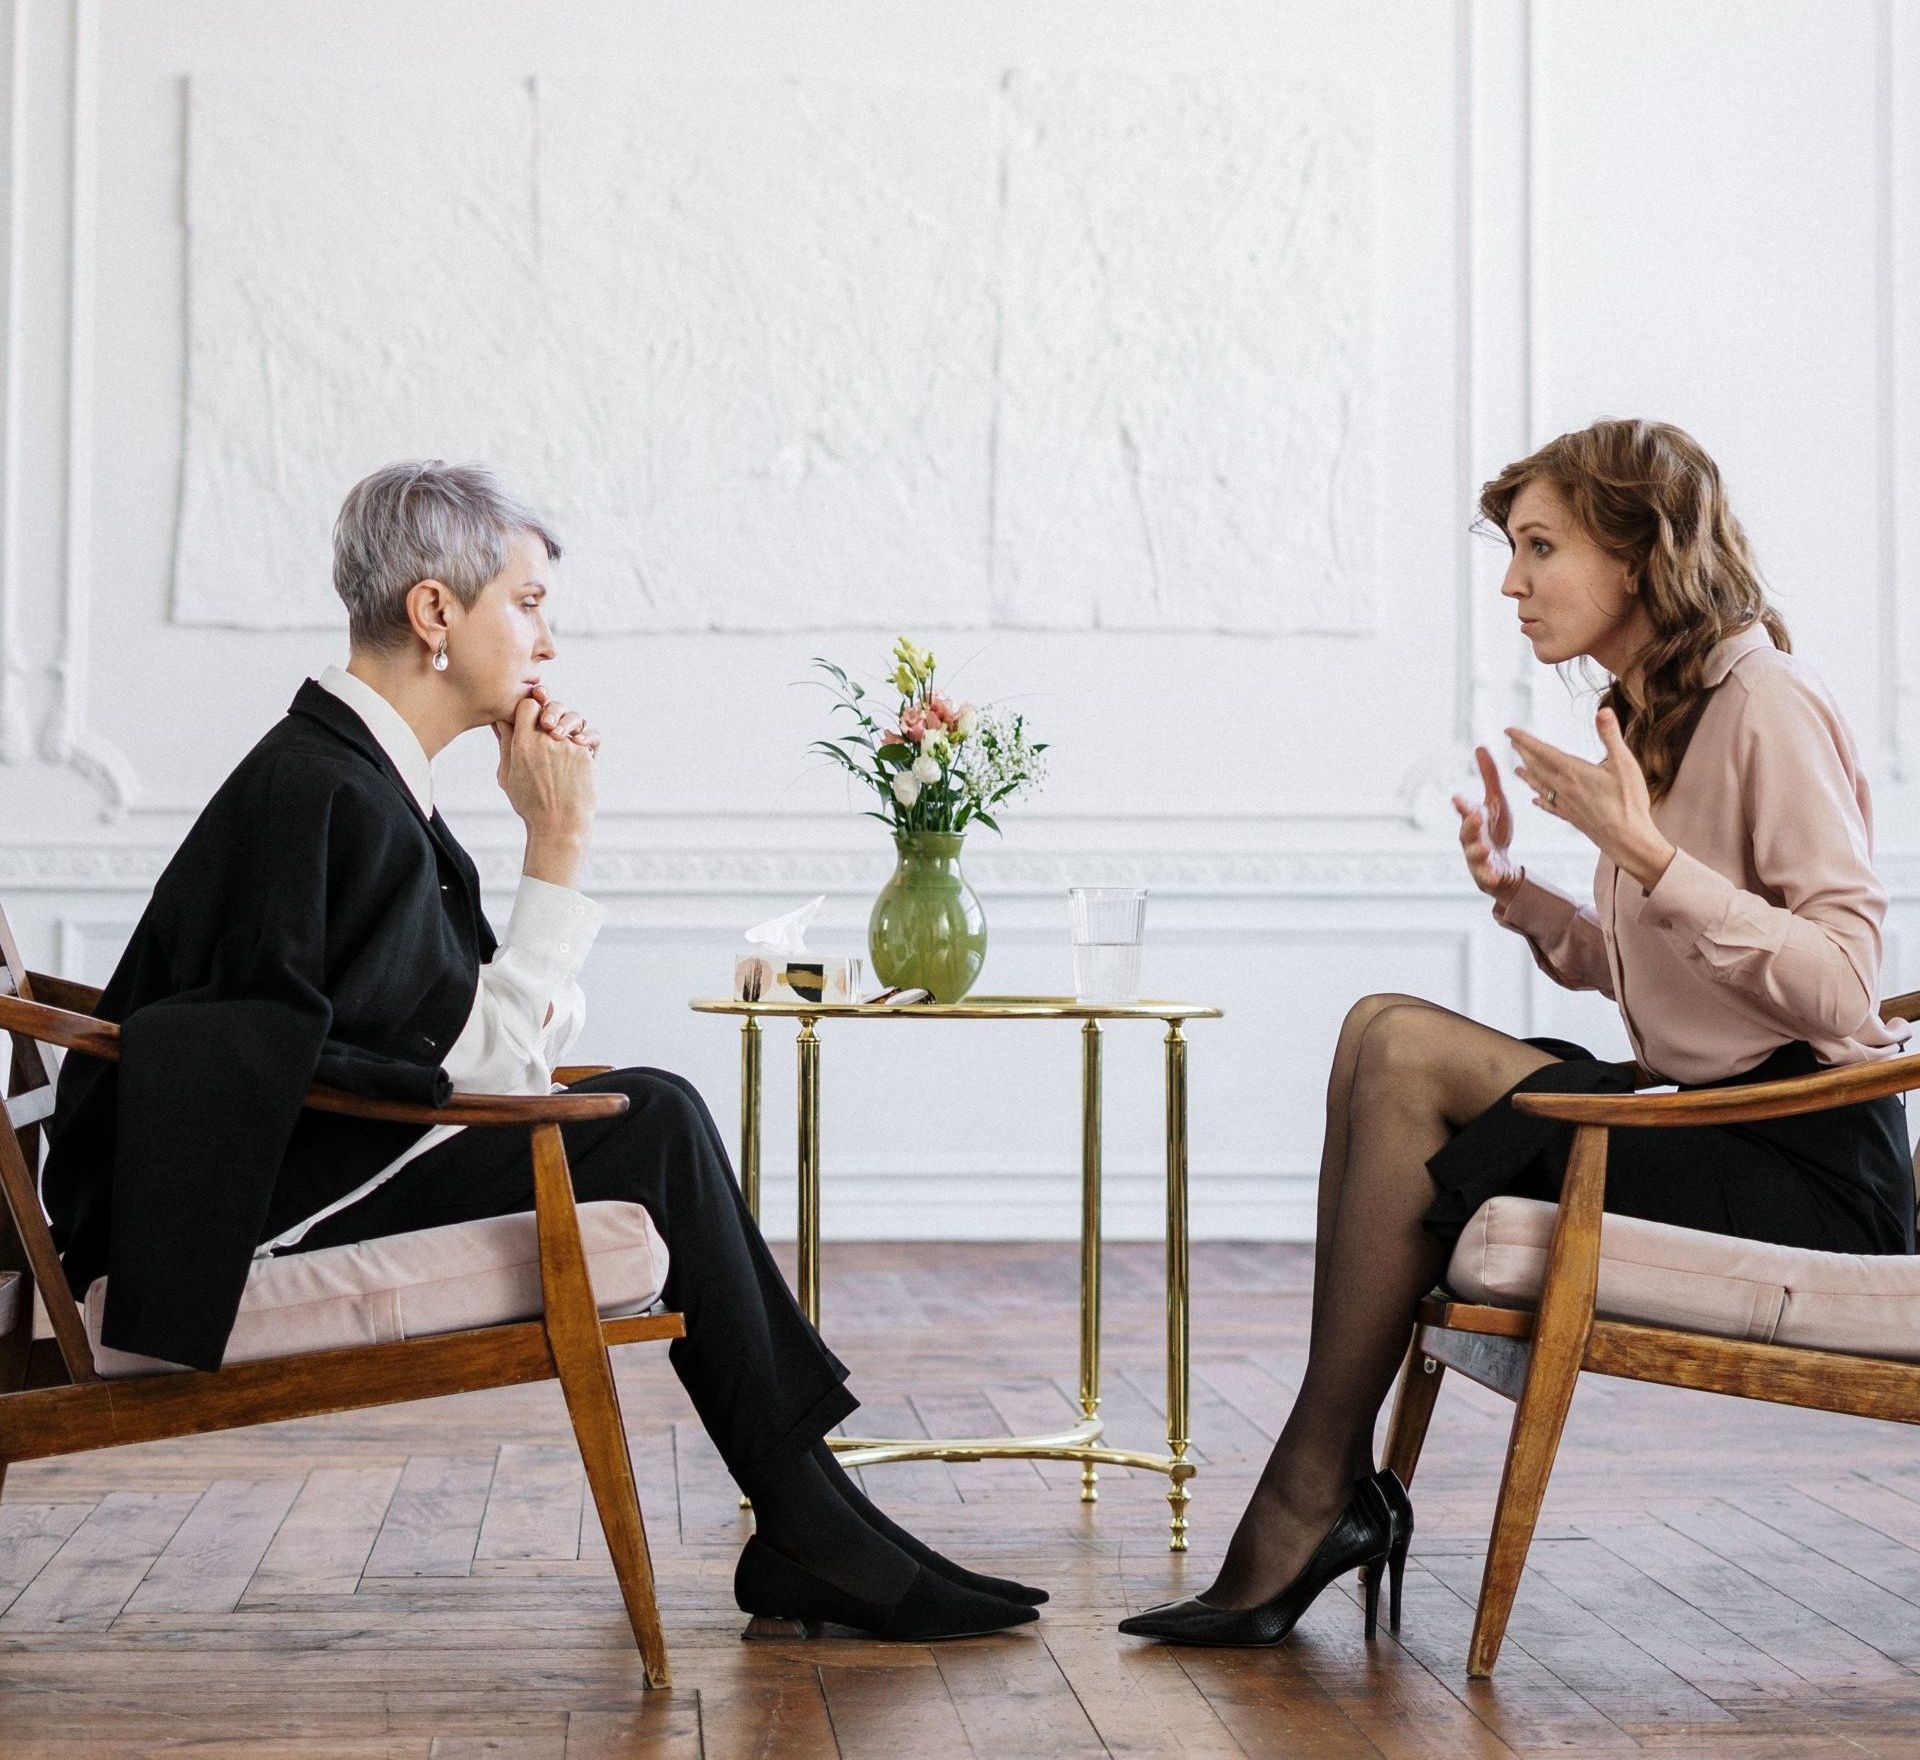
{"x": 1607, "y": 803}
{"x": 546, "y": 765}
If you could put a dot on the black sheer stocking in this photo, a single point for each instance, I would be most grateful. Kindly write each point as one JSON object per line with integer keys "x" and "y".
{"x": 1406, "y": 1074}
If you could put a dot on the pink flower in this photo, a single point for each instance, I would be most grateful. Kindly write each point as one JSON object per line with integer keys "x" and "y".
{"x": 940, "y": 711}
{"x": 913, "y": 724}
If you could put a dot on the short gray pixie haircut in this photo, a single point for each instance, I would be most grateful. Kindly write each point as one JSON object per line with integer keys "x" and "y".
{"x": 422, "y": 519}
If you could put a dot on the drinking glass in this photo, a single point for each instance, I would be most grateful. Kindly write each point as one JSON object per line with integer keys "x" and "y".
{"x": 1107, "y": 924}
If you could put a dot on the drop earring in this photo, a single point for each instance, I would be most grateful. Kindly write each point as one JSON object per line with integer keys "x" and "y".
{"x": 440, "y": 658}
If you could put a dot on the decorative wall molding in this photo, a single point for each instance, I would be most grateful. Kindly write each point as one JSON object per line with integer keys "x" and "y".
{"x": 14, "y": 736}
{"x": 615, "y": 873}
{"x": 1897, "y": 346}
{"x": 65, "y": 739}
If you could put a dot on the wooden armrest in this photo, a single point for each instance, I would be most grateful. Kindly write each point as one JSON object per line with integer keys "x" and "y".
{"x": 59, "y": 1026}
{"x": 1820, "y": 1092}
{"x": 64, "y": 993}
{"x": 81, "y": 1032}
{"x": 569, "y": 1073}
{"x": 522, "y": 1109}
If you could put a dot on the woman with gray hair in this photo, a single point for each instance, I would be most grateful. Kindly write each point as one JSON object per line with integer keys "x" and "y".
{"x": 320, "y": 923}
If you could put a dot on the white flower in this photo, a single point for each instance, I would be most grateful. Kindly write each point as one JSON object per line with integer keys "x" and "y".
{"x": 969, "y": 722}
{"x": 906, "y": 787}
{"x": 926, "y": 769}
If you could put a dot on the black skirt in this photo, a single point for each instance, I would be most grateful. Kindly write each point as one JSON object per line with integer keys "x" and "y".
{"x": 1838, "y": 1182}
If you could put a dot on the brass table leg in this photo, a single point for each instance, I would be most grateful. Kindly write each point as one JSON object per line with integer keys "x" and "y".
{"x": 808, "y": 1254}
{"x": 1089, "y": 1243}
{"x": 750, "y": 1114}
{"x": 1181, "y": 1470}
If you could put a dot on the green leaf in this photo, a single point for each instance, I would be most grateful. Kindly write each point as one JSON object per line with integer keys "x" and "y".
{"x": 895, "y": 753}
{"x": 986, "y": 819}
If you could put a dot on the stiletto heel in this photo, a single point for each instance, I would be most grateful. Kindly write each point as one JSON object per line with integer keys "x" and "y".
{"x": 1360, "y": 1537}
{"x": 1371, "y": 1578}
{"x": 1400, "y": 1518}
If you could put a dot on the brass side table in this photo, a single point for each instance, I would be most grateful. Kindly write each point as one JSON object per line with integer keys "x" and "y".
{"x": 1083, "y": 1442}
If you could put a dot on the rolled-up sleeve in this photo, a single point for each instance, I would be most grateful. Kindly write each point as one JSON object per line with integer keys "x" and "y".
{"x": 511, "y": 1043}
{"x": 1565, "y": 938}
{"x": 1808, "y": 954}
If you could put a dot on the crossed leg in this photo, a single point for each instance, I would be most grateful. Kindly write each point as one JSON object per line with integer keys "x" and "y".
{"x": 1406, "y": 1075}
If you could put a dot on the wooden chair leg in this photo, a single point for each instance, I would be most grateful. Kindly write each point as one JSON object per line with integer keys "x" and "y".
{"x": 1537, "y": 1422}
{"x": 1412, "y": 1411}
{"x": 593, "y": 1403}
{"x": 1560, "y": 1333}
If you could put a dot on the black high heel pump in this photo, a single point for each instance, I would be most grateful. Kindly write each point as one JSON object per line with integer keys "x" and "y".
{"x": 1400, "y": 1519}
{"x": 1362, "y": 1535}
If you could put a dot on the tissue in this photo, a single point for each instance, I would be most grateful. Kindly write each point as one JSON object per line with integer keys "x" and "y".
{"x": 785, "y": 971}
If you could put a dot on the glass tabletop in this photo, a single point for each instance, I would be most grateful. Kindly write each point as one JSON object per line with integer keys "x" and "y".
{"x": 973, "y": 1008}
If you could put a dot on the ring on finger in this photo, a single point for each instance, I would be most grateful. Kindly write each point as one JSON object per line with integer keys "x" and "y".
{"x": 1552, "y": 795}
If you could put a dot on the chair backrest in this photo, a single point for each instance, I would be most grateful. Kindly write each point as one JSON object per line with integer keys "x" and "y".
{"x": 26, "y": 1243}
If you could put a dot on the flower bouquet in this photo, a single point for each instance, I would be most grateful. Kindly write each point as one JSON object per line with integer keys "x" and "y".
{"x": 939, "y": 769}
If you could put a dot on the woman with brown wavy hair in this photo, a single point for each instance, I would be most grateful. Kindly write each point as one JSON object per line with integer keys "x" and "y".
{"x": 1735, "y": 920}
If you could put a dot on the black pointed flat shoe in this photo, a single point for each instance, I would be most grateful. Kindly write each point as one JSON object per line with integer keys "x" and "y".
{"x": 1361, "y": 1535}
{"x": 787, "y": 1600}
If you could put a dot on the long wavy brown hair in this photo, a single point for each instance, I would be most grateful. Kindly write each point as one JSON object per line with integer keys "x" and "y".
{"x": 1648, "y": 494}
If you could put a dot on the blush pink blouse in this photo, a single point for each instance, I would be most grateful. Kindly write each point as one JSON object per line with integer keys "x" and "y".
{"x": 1766, "y": 925}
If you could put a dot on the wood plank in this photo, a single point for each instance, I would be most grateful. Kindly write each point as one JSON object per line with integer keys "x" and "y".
{"x": 89, "y": 1579}
{"x": 1748, "y": 1604}
{"x": 433, "y": 1523}
{"x": 1013, "y": 1700}
{"x": 1841, "y": 1597}
{"x": 1137, "y": 1697}
{"x": 763, "y": 1702}
{"x": 665, "y": 1725}
{"x": 538, "y": 1745}
{"x": 1273, "y": 1704}
{"x": 30, "y": 1534}
{"x": 323, "y": 1545}
{"x": 534, "y": 1504}
{"x": 885, "y": 1713}
{"x": 1624, "y": 1682}
{"x": 213, "y": 1554}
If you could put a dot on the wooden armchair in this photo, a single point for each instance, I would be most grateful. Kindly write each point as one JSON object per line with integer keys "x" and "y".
{"x": 1534, "y": 1356}
{"x": 53, "y": 1401}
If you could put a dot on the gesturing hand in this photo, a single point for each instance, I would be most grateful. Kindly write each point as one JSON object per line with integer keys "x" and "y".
{"x": 1606, "y": 802}
{"x": 1486, "y": 833}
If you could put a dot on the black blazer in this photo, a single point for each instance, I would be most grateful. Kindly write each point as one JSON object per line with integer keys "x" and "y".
{"x": 312, "y": 927}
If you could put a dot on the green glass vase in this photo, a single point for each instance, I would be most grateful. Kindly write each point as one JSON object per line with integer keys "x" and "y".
{"x": 927, "y": 929}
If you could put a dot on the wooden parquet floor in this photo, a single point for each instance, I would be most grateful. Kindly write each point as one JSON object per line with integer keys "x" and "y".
{"x": 1712, "y": 1577}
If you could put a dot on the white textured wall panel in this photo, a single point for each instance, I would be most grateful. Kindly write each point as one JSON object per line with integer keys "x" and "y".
{"x": 1186, "y": 365}
{"x": 362, "y": 287}
{"x": 771, "y": 303}
{"x": 791, "y": 354}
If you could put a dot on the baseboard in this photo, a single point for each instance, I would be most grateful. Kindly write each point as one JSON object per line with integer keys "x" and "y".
{"x": 1045, "y": 1206}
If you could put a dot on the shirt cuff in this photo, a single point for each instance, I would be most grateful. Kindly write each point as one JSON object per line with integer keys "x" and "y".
{"x": 1538, "y": 911}
{"x": 553, "y": 924}
{"x": 1689, "y": 899}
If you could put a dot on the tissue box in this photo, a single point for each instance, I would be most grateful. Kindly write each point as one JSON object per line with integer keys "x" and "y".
{"x": 806, "y": 977}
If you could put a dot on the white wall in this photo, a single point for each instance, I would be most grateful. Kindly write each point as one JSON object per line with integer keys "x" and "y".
{"x": 1460, "y": 230}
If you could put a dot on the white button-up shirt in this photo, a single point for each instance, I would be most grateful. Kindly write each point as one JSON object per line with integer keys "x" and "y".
{"x": 528, "y": 1008}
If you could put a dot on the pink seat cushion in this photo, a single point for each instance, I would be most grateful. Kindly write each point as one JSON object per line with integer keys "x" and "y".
{"x": 1867, "y": 1304}
{"x": 448, "y": 1279}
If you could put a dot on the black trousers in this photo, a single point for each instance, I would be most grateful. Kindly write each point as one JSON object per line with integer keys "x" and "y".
{"x": 1837, "y": 1182}
{"x": 765, "y": 1385}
